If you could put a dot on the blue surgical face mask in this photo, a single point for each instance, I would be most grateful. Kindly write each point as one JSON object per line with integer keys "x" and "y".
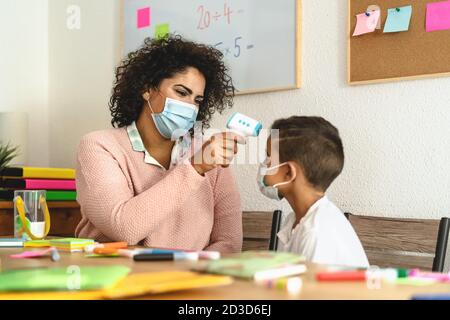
{"x": 176, "y": 119}
{"x": 270, "y": 192}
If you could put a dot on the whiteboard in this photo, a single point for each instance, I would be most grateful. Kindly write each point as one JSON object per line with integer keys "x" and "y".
{"x": 260, "y": 39}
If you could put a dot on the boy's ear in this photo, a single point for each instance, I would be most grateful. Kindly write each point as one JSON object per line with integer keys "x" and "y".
{"x": 292, "y": 171}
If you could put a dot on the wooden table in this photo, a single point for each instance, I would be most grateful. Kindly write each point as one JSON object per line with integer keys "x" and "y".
{"x": 239, "y": 289}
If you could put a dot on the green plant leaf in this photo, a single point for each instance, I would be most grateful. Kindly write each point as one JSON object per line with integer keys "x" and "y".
{"x": 7, "y": 154}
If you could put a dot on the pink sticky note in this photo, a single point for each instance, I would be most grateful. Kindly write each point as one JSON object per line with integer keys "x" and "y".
{"x": 366, "y": 22}
{"x": 438, "y": 16}
{"x": 143, "y": 18}
{"x": 31, "y": 254}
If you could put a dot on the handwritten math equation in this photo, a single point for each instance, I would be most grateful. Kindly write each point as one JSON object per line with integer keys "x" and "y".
{"x": 208, "y": 17}
{"x": 234, "y": 49}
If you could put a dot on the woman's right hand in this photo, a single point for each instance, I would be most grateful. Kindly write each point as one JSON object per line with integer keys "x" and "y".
{"x": 219, "y": 150}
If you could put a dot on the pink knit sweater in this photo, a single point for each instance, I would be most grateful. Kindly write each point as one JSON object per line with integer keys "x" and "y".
{"x": 124, "y": 199}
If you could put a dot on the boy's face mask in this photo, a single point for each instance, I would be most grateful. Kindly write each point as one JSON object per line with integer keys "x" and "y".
{"x": 176, "y": 119}
{"x": 270, "y": 192}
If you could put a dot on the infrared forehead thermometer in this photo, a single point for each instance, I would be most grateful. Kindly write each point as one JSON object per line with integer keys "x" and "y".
{"x": 243, "y": 125}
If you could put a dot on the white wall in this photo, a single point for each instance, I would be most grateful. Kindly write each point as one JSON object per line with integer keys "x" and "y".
{"x": 80, "y": 73}
{"x": 395, "y": 134}
{"x": 24, "y": 70}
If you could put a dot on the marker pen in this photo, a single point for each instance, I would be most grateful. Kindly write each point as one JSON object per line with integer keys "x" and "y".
{"x": 191, "y": 256}
{"x": 107, "y": 246}
{"x": 442, "y": 277}
{"x": 286, "y": 271}
{"x": 209, "y": 255}
{"x": 293, "y": 284}
{"x": 389, "y": 275}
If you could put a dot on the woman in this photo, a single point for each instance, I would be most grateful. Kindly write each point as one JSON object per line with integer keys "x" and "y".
{"x": 143, "y": 182}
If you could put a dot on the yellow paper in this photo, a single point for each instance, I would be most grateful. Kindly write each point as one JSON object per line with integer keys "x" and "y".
{"x": 161, "y": 282}
{"x": 37, "y": 243}
{"x": 133, "y": 285}
{"x": 54, "y": 295}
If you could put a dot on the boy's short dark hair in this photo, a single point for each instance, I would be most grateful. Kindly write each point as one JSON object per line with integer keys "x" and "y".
{"x": 314, "y": 143}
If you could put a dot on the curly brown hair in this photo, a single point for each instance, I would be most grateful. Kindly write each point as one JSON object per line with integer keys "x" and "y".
{"x": 160, "y": 59}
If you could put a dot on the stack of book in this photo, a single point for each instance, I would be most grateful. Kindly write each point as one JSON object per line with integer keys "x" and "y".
{"x": 59, "y": 183}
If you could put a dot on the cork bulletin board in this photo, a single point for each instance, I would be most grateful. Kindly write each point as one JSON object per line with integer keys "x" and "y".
{"x": 381, "y": 57}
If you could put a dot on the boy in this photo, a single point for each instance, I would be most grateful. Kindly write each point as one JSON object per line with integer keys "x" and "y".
{"x": 310, "y": 156}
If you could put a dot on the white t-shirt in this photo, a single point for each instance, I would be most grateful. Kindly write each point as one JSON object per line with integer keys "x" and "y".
{"x": 323, "y": 236}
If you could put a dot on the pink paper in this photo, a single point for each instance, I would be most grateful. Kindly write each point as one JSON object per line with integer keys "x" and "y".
{"x": 31, "y": 254}
{"x": 143, "y": 18}
{"x": 366, "y": 24}
{"x": 438, "y": 16}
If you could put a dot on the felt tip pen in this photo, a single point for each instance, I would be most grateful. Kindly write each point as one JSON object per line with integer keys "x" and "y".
{"x": 341, "y": 276}
{"x": 191, "y": 256}
{"x": 442, "y": 277}
{"x": 111, "y": 245}
{"x": 131, "y": 253}
{"x": 105, "y": 250}
{"x": 286, "y": 271}
{"x": 209, "y": 255}
{"x": 389, "y": 275}
{"x": 293, "y": 284}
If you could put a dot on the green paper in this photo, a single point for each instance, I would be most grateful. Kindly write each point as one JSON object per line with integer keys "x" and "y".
{"x": 162, "y": 30}
{"x": 71, "y": 241}
{"x": 60, "y": 279}
{"x": 415, "y": 281}
{"x": 246, "y": 264}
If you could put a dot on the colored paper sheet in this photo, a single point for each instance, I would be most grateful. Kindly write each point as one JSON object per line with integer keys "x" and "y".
{"x": 374, "y": 7}
{"x": 247, "y": 263}
{"x": 366, "y": 22}
{"x": 161, "y": 282}
{"x": 32, "y": 254}
{"x": 438, "y": 16}
{"x": 133, "y": 285}
{"x": 143, "y": 18}
{"x": 398, "y": 19}
{"x": 36, "y": 243}
{"x": 162, "y": 30}
{"x": 71, "y": 244}
{"x": 50, "y": 279}
{"x": 415, "y": 281}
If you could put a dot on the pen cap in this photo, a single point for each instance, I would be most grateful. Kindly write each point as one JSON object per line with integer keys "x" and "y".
{"x": 244, "y": 125}
{"x": 192, "y": 256}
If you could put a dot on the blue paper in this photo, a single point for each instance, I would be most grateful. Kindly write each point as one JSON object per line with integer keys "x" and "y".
{"x": 398, "y": 20}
